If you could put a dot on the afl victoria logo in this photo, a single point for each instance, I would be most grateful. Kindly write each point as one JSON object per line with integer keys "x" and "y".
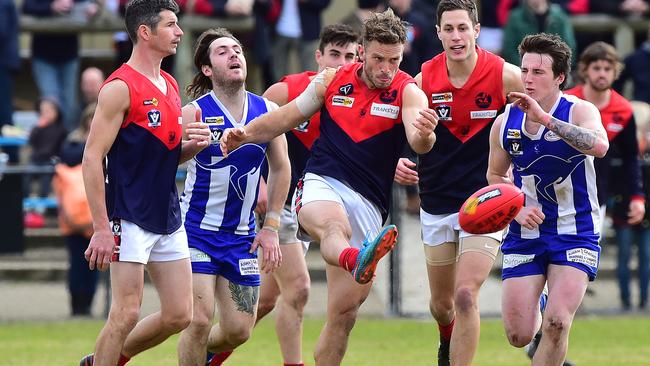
{"x": 346, "y": 89}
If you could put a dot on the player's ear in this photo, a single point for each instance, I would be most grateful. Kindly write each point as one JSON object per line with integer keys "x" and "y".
{"x": 206, "y": 70}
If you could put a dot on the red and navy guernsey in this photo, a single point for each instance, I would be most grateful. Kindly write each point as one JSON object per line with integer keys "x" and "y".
{"x": 141, "y": 165}
{"x": 361, "y": 134}
{"x": 456, "y": 165}
{"x": 301, "y": 138}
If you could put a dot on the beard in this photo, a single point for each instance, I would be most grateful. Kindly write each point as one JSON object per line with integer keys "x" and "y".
{"x": 228, "y": 85}
{"x": 600, "y": 86}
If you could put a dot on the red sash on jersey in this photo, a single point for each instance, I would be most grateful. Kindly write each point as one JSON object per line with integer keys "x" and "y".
{"x": 615, "y": 116}
{"x": 308, "y": 131}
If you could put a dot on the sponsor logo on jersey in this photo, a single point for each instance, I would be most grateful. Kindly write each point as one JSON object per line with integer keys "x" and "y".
{"x": 346, "y": 89}
{"x": 197, "y": 256}
{"x": 217, "y": 121}
{"x": 384, "y": 110}
{"x": 444, "y": 112}
{"x": 483, "y": 114}
{"x": 303, "y": 127}
{"x": 514, "y": 260}
{"x": 342, "y": 101}
{"x": 154, "y": 118}
{"x": 614, "y": 127}
{"x": 172, "y": 137}
{"x": 248, "y": 267}
{"x": 483, "y": 100}
{"x": 583, "y": 255}
{"x": 442, "y": 97}
{"x": 513, "y": 133}
{"x": 551, "y": 136}
{"x": 152, "y": 101}
{"x": 388, "y": 96}
{"x": 515, "y": 148}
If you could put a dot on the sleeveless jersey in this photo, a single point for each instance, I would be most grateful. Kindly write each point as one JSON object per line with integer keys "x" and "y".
{"x": 301, "y": 138}
{"x": 552, "y": 174}
{"x": 142, "y": 162}
{"x": 456, "y": 165}
{"x": 221, "y": 193}
{"x": 361, "y": 134}
{"x": 618, "y": 120}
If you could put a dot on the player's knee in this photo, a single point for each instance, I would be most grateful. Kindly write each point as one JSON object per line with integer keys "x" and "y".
{"x": 555, "y": 326}
{"x": 442, "y": 309}
{"x": 334, "y": 228}
{"x": 465, "y": 300}
{"x": 519, "y": 338}
{"x": 265, "y": 306}
{"x": 299, "y": 296}
{"x": 177, "y": 321}
{"x": 125, "y": 318}
{"x": 345, "y": 318}
{"x": 238, "y": 335}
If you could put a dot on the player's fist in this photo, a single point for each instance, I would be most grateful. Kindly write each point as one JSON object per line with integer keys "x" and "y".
{"x": 231, "y": 139}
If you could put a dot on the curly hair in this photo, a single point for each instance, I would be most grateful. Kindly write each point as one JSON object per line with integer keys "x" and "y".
{"x": 599, "y": 51}
{"x": 385, "y": 28}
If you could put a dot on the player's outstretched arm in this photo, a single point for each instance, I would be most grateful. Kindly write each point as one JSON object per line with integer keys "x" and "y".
{"x": 498, "y": 160}
{"x": 112, "y": 105}
{"x": 196, "y": 134}
{"x": 419, "y": 120}
{"x": 586, "y": 132}
{"x": 269, "y": 125}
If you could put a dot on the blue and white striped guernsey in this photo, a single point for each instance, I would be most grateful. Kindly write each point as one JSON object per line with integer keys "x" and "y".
{"x": 221, "y": 193}
{"x": 553, "y": 175}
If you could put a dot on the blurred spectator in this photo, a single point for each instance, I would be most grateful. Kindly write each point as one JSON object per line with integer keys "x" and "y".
{"x": 622, "y": 8}
{"x": 637, "y": 70}
{"x": 75, "y": 220}
{"x": 92, "y": 79}
{"x": 55, "y": 57}
{"x": 535, "y": 16}
{"x": 364, "y": 8}
{"x": 298, "y": 29}
{"x": 627, "y": 235}
{"x": 491, "y": 36}
{"x": 421, "y": 40}
{"x": 45, "y": 141}
{"x": 9, "y": 64}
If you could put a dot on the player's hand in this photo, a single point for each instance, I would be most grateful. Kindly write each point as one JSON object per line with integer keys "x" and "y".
{"x": 100, "y": 250}
{"x": 530, "y": 217}
{"x": 529, "y": 106}
{"x": 262, "y": 199}
{"x": 405, "y": 172}
{"x": 198, "y": 132}
{"x": 636, "y": 212}
{"x": 271, "y": 255}
{"x": 426, "y": 122}
{"x": 232, "y": 138}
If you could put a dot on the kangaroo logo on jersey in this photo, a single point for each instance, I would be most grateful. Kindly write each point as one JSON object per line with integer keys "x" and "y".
{"x": 154, "y": 118}
{"x": 243, "y": 163}
{"x": 547, "y": 185}
{"x": 444, "y": 112}
{"x": 483, "y": 100}
{"x": 346, "y": 89}
{"x": 388, "y": 96}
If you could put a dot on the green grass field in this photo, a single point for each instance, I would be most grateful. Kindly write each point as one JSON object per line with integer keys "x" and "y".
{"x": 594, "y": 341}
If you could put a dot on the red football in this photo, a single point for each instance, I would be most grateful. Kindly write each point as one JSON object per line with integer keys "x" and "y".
{"x": 490, "y": 208}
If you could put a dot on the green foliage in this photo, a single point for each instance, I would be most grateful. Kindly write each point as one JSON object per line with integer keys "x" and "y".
{"x": 594, "y": 341}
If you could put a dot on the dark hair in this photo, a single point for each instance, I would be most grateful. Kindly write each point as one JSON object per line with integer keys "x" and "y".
{"x": 552, "y": 45}
{"x": 385, "y": 28}
{"x": 338, "y": 35}
{"x": 55, "y": 103}
{"x": 201, "y": 84}
{"x": 147, "y": 12}
{"x": 450, "y": 5}
{"x": 599, "y": 51}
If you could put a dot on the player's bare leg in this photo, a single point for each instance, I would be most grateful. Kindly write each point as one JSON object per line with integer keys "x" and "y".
{"x": 344, "y": 297}
{"x": 193, "y": 341}
{"x": 520, "y": 308}
{"x": 566, "y": 288}
{"x": 237, "y": 306}
{"x": 127, "y": 283}
{"x": 441, "y": 270}
{"x": 171, "y": 281}
{"x": 293, "y": 280}
{"x": 473, "y": 267}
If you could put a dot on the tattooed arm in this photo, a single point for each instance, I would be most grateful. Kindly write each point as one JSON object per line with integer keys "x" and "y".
{"x": 586, "y": 132}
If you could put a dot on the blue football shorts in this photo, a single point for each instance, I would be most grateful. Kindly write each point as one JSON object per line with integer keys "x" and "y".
{"x": 527, "y": 257}
{"x": 223, "y": 254}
